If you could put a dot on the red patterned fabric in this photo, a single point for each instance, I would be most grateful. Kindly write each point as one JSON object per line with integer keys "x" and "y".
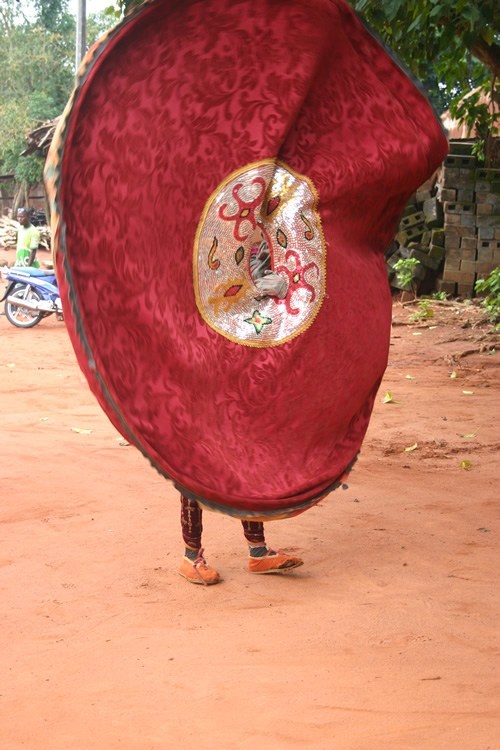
{"x": 178, "y": 98}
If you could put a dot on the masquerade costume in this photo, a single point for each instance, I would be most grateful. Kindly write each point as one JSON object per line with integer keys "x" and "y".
{"x": 201, "y": 130}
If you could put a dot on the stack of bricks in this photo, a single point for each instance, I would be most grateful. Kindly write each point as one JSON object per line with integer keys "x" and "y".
{"x": 471, "y": 205}
{"x": 420, "y": 236}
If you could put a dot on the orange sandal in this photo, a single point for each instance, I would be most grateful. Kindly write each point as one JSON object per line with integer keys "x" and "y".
{"x": 197, "y": 571}
{"x": 274, "y": 562}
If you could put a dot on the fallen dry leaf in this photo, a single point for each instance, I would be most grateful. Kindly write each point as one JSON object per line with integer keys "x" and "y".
{"x": 467, "y": 465}
{"x": 81, "y": 431}
{"x": 468, "y": 393}
{"x": 388, "y": 399}
{"x": 411, "y": 448}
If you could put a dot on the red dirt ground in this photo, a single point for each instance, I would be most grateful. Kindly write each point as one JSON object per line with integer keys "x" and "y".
{"x": 388, "y": 637}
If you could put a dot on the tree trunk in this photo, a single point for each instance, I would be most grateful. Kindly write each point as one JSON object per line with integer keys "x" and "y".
{"x": 488, "y": 54}
{"x": 492, "y": 152}
{"x": 20, "y": 198}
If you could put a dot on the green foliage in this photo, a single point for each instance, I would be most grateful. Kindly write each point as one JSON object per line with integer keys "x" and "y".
{"x": 491, "y": 288}
{"x": 424, "y": 312}
{"x": 36, "y": 79}
{"x": 37, "y": 54}
{"x": 51, "y": 13}
{"x": 441, "y": 296}
{"x": 121, "y": 8}
{"x": 405, "y": 268}
{"x": 474, "y": 112}
{"x": 456, "y": 42}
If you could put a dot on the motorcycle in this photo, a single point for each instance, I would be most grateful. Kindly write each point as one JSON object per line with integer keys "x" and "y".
{"x": 31, "y": 294}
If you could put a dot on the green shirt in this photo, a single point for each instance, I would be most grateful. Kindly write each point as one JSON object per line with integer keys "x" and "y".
{"x": 28, "y": 239}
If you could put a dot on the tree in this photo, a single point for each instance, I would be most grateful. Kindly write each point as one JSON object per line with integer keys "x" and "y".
{"x": 37, "y": 52}
{"x": 457, "y": 40}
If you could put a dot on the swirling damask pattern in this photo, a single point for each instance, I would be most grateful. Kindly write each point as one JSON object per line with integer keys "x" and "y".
{"x": 181, "y": 95}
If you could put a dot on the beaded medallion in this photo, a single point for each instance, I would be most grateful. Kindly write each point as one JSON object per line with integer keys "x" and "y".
{"x": 264, "y": 205}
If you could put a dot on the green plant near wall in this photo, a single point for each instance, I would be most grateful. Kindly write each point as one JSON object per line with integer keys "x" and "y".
{"x": 405, "y": 271}
{"x": 491, "y": 288}
{"x": 424, "y": 312}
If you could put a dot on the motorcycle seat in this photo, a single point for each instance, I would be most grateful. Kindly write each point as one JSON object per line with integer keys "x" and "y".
{"x": 32, "y": 271}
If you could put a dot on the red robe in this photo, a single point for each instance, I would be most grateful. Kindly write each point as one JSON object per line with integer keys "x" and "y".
{"x": 199, "y": 129}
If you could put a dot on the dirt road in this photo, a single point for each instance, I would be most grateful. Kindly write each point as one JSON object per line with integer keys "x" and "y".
{"x": 387, "y": 638}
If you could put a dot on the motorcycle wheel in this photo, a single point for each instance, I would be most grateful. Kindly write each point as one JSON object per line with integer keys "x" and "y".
{"x": 22, "y": 317}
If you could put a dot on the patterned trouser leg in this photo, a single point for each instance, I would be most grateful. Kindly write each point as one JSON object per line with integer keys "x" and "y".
{"x": 254, "y": 532}
{"x": 191, "y": 525}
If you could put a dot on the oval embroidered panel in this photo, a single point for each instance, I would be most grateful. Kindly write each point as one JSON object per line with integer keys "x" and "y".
{"x": 264, "y": 210}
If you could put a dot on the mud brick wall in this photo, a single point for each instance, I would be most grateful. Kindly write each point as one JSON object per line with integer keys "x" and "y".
{"x": 470, "y": 196}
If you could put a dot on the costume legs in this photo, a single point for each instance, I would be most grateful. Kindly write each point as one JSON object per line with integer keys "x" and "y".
{"x": 194, "y": 567}
{"x": 192, "y": 526}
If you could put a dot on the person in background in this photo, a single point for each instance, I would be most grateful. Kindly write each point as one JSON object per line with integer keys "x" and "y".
{"x": 28, "y": 240}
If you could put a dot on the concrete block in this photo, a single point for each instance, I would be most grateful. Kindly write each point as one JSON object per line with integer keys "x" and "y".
{"x": 484, "y": 209}
{"x": 465, "y": 195}
{"x": 488, "y": 245}
{"x": 425, "y": 259}
{"x": 461, "y": 147}
{"x": 436, "y": 251}
{"x": 468, "y": 266}
{"x": 453, "y": 207}
{"x": 452, "y": 243}
{"x": 409, "y": 209}
{"x": 458, "y": 231}
{"x": 486, "y": 233}
{"x": 451, "y": 265}
{"x": 460, "y": 161}
{"x": 426, "y": 238}
{"x": 468, "y": 220}
{"x": 483, "y": 269}
{"x": 487, "y": 175}
{"x": 468, "y": 231}
{"x": 488, "y": 221}
{"x": 465, "y": 289}
{"x": 468, "y": 254}
{"x": 461, "y": 277}
{"x": 464, "y": 178}
{"x": 450, "y": 177}
{"x": 447, "y": 194}
{"x": 423, "y": 195}
{"x": 485, "y": 186}
{"x": 437, "y": 237}
{"x": 411, "y": 220}
{"x": 468, "y": 243}
{"x": 485, "y": 254}
{"x": 486, "y": 196}
{"x": 454, "y": 252}
{"x": 451, "y": 219}
{"x": 446, "y": 286}
{"x": 432, "y": 212}
{"x": 393, "y": 260}
{"x": 411, "y": 234}
{"x": 465, "y": 277}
